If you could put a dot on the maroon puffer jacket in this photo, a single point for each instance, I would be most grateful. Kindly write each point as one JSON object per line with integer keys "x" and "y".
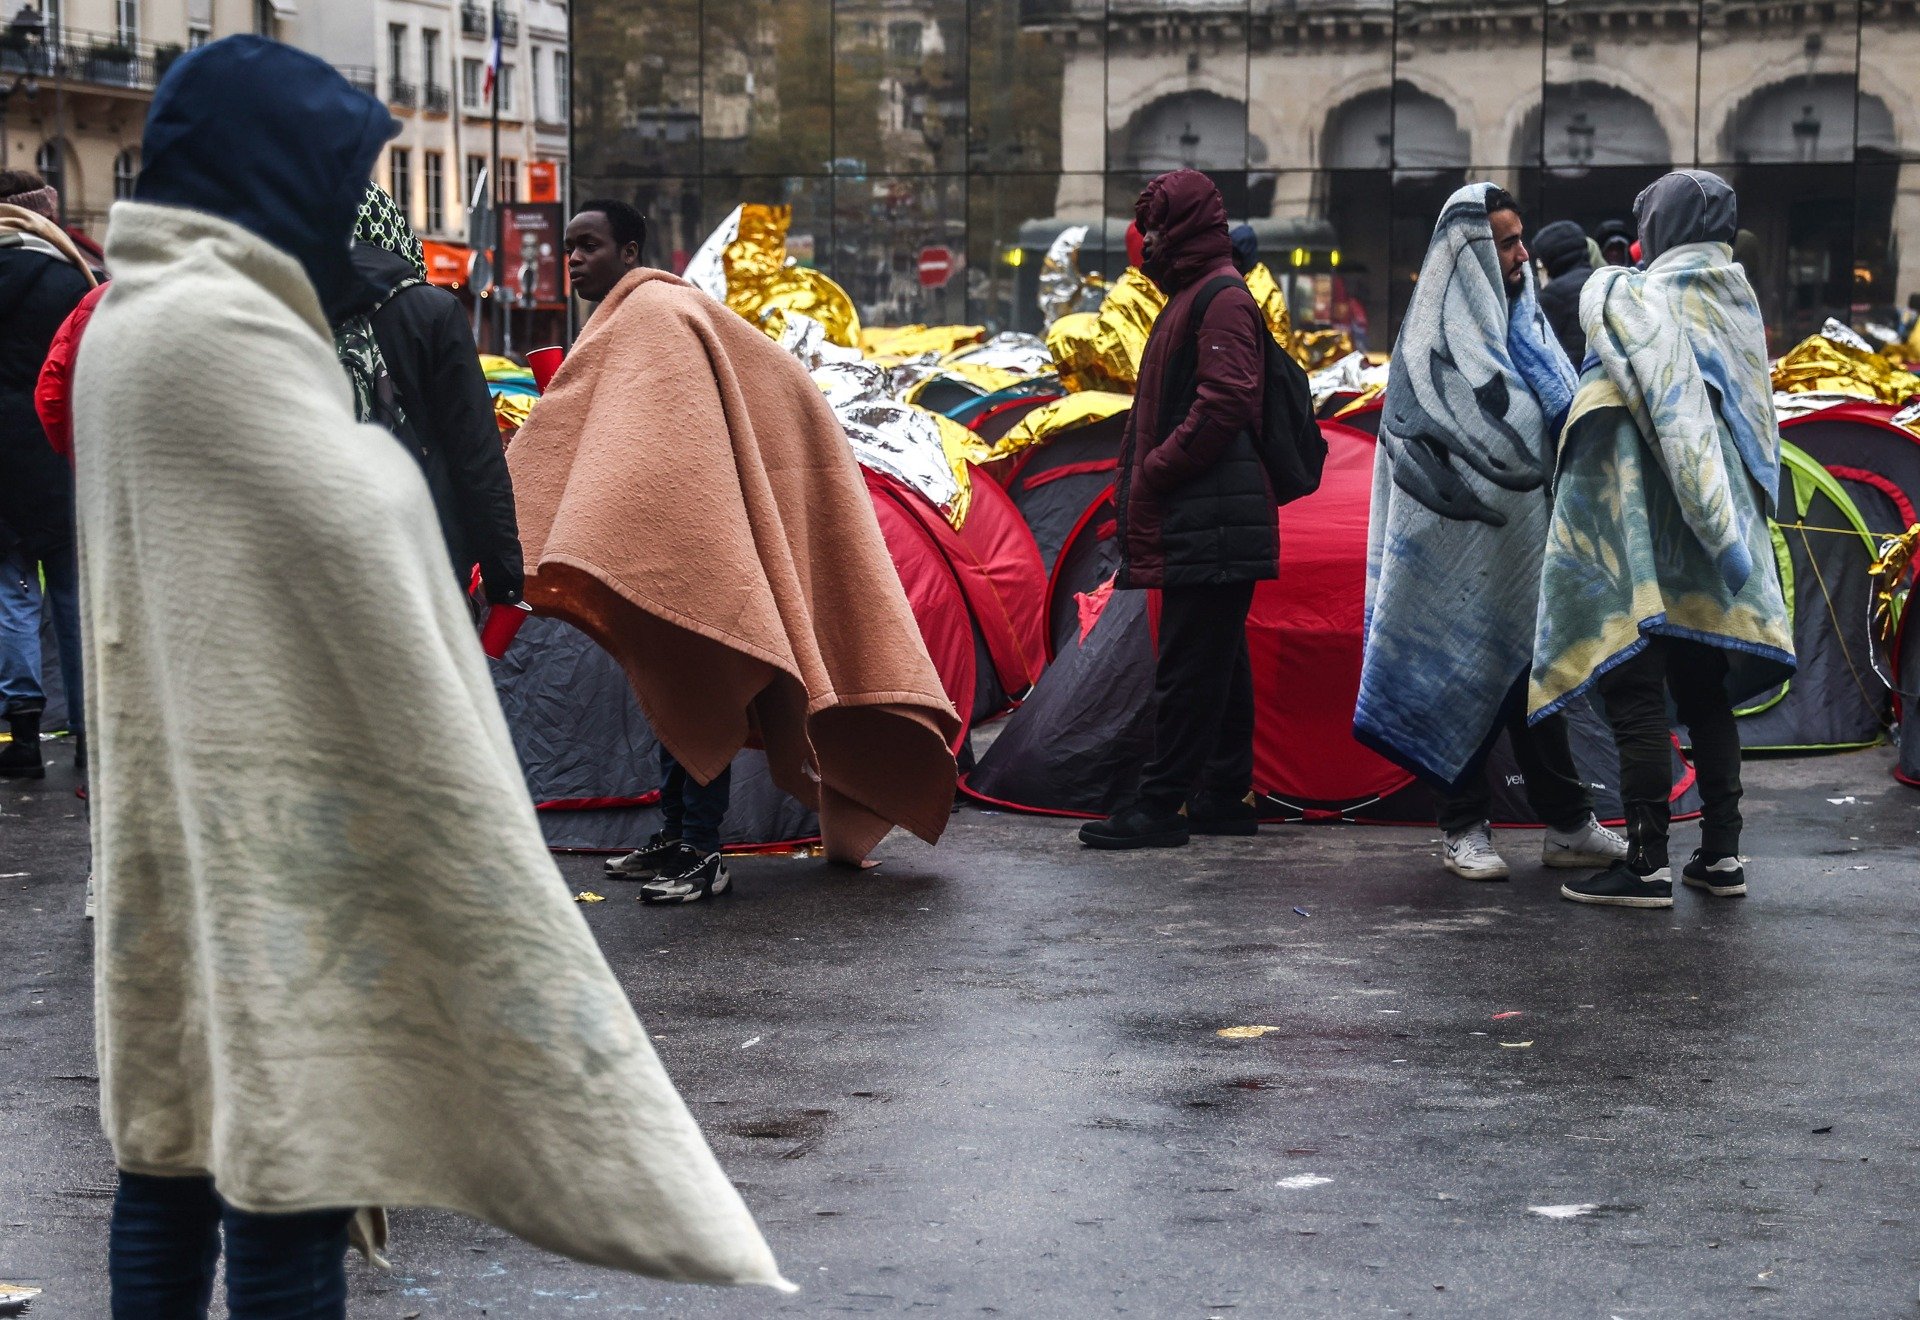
{"x": 1192, "y": 496}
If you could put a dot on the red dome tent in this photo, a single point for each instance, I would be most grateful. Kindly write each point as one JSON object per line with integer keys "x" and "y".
{"x": 1076, "y": 745}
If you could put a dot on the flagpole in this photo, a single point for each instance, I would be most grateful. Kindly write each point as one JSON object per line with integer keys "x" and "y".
{"x": 498, "y": 57}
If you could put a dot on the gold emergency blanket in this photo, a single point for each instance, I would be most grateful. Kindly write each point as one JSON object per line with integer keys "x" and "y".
{"x": 1102, "y": 350}
{"x": 1050, "y": 420}
{"x": 897, "y": 344}
{"x": 763, "y": 283}
{"x": 1838, "y": 361}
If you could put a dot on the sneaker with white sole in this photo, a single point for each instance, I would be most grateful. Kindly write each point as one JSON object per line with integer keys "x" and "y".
{"x": 88, "y": 910}
{"x": 1589, "y": 845}
{"x": 704, "y": 878}
{"x": 1471, "y": 855}
{"x": 660, "y": 853}
{"x": 1723, "y": 877}
{"x": 1622, "y": 886}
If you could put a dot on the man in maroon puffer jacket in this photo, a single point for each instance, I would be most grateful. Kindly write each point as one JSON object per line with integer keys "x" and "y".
{"x": 1198, "y": 520}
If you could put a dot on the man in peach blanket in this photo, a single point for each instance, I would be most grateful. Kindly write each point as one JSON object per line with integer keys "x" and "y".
{"x": 688, "y": 500}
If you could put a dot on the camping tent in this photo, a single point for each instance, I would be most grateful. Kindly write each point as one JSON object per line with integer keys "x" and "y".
{"x": 1053, "y": 483}
{"x": 1076, "y": 745}
{"x": 1825, "y": 547}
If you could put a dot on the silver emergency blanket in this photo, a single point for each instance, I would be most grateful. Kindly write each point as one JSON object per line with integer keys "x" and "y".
{"x": 887, "y": 435}
{"x": 1063, "y": 289}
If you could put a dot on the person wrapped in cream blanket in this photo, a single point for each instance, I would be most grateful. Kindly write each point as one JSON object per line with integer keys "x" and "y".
{"x": 337, "y": 967}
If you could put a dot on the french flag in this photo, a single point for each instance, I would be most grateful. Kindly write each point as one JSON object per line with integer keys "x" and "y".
{"x": 493, "y": 58}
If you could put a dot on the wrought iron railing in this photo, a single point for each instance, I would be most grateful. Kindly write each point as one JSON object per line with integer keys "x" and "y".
{"x": 402, "y": 93}
{"x": 436, "y": 100}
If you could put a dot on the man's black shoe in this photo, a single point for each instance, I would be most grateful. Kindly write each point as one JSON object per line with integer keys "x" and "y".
{"x": 1136, "y": 827}
{"x": 1723, "y": 877}
{"x": 1216, "y": 813}
{"x": 20, "y": 759}
{"x": 703, "y": 877}
{"x": 660, "y": 856}
{"x": 1622, "y": 886}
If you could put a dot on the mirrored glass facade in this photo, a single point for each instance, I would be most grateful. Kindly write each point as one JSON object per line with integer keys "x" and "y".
{"x": 1336, "y": 127}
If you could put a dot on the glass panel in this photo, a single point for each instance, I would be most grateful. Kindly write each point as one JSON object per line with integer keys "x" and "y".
{"x": 1011, "y": 221}
{"x": 1177, "y": 91}
{"x": 1778, "y": 83}
{"x": 767, "y": 97}
{"x": 1619, "y": 87}
{"x": 1310, "y": 64}
{"x": 637, "y": 88}
{"x": 1463, "y": 70}
{"x": 1886, "y": 290}
{"x": 1036, "y": 86}
{"x": 1802, "y": 218}
{"x": 1888, "y": 53}
{"x": 881, "y": 225}
{"x": 900, "y": 89}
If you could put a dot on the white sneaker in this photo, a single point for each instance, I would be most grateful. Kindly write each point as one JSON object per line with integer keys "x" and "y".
{"x": 1471, "y": 854}
{"x": 89, "y": 907}
{"x": 1591, "y": 844}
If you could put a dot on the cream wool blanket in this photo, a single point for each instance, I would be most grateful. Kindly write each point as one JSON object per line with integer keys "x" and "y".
{"x": 335, "y": 963}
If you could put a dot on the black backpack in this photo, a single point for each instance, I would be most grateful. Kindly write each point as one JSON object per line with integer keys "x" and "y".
{"x": 1289, "y": 442}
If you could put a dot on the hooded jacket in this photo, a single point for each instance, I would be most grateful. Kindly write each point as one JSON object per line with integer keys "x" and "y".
{"x": 37, "y": 291}
{"x": 1562, "y": 249}
{"x": 1193, "y": 499}
{"x": 429, "y": 352}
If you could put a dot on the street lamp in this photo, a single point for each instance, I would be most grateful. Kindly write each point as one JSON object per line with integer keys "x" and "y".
{"x": 25, "y": 36}
{"x": 1806, "y": 135}
{"x": 1580, "y": 132}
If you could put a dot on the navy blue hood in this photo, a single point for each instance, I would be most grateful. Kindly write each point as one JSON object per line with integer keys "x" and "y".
{"x": 1246, "y": 247}
{"x": 273, "y": 140}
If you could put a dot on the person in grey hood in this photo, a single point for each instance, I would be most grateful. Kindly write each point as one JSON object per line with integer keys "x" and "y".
{"x": 1660, "y": 579}
{"x": 1562, "y": 248}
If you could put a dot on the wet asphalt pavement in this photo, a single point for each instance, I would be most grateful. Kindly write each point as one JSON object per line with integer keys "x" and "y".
{"x": 986, "y": 1080}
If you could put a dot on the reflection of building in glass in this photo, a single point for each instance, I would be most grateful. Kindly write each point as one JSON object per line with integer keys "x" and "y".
{"x": 1337, "y": 126}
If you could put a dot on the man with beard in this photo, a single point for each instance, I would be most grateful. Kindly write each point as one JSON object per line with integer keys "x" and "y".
{"x": 1476, "y": 395}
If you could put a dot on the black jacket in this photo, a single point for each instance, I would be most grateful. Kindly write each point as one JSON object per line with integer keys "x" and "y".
{"x": 1562, "y": 249}
{"x": 36, "y": 484}
{"x": 423, "y": 336}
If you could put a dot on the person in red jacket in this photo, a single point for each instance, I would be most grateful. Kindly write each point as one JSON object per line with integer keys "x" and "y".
{"x": 1198, "y": 520}
{"x": 53, "y": 395}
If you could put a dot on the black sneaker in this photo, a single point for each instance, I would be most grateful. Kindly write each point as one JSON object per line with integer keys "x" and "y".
{"x": 702, "y": 878}
{"x": 1723, "y": 877}
{"x": 1622, "y": 886}
{"x": 1136, "y": 827}
{"x": 661, "y": 853}
{"x": 1216, "y": 813}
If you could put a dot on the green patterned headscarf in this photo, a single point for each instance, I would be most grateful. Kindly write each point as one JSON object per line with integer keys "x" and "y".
{"x": 382, "y": 225}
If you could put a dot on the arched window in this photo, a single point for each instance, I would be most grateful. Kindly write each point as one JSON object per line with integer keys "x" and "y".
{"x": 51, "y": 161}
{"x": 126, "y": 173}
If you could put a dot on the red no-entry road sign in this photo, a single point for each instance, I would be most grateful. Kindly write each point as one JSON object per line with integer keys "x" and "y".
{"x": 936, "y": 267}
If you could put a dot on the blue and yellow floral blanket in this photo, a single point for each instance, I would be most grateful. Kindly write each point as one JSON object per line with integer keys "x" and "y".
{"x": 1667, "y": 474}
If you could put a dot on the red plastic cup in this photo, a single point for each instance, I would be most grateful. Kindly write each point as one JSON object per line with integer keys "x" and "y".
{"x": 543, "y": 362}
{"x": 503, "y": 623}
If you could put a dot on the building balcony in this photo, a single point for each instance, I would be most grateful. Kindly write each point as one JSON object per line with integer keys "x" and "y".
{"x": 361, "y": 77}
{"x": 437, "y": 101}
{"x": 96, "y": 58}
{"x": 402, "y": 93}
{"x": 477, "y": 21}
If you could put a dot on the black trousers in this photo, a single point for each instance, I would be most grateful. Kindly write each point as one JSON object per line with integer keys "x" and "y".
{"x": 1635, "y": 695}
{"x": 1203, "y": 685}
{"x": 1555, "y": 790}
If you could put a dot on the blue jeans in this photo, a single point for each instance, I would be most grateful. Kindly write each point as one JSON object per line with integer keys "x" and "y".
{"x": 693, "y": 810}
{"x": 20, "y": 575}
{"x": 165, "y": 1243}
